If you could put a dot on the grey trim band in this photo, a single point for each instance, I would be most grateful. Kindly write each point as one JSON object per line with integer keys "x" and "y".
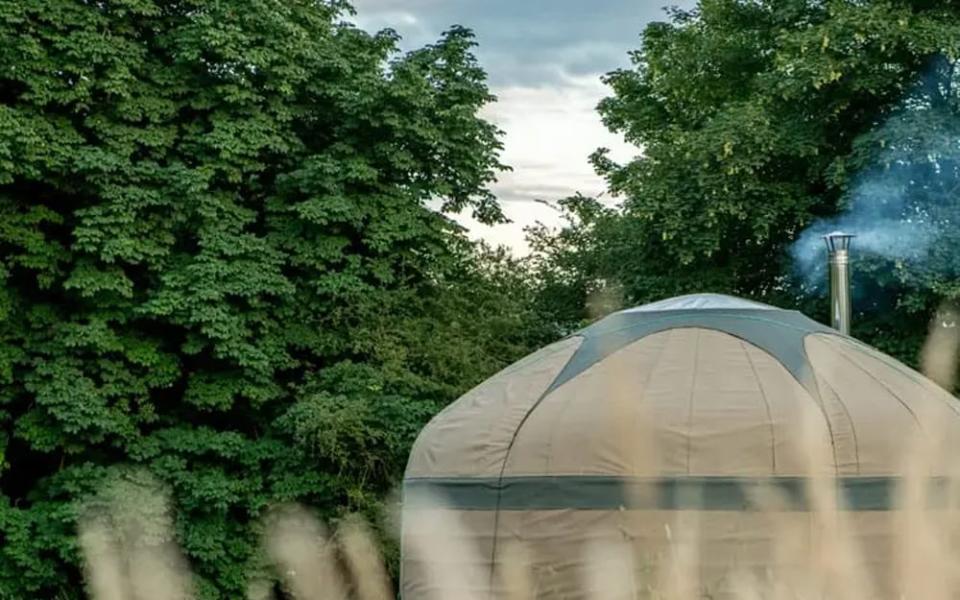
{"x": 666, "y": 493}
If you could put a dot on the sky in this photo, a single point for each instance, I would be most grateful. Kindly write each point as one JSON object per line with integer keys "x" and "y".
{"x": 544, "y": 60}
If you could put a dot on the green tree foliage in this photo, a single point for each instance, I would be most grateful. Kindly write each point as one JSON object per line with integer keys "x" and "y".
{"x": 755, "y": 120}
{"x": 218, "y": 264}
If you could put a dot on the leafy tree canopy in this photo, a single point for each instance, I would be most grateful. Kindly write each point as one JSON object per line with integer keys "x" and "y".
{"x": 218, "y": 263}
{"x": 758, "y": 119}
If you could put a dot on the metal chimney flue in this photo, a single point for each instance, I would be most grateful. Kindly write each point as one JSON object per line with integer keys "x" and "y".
{"x": 838, "y": 250}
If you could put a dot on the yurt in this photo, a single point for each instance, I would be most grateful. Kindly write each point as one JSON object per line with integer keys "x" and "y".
{"x": 705, "y": 434}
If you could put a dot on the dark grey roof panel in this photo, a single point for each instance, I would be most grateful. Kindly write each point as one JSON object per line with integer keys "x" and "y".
{"x": 778, "y": 332}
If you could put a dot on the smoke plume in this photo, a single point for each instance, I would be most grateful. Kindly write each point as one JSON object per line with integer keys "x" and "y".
{"x": 902, "y": 197}
{"x": 878, "y": 213}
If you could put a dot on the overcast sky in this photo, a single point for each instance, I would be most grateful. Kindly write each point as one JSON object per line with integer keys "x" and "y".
{"x": 544, "y": 59}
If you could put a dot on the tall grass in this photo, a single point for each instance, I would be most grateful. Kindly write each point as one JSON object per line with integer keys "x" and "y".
{"x": 310, "y": 563}
{"x": 130, "y": 554}
{"x": 131, "y": 560}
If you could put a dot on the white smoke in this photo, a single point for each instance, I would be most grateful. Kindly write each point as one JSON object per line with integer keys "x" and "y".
{"x": 879, "y": 214}
{"x": 900, "y": 203}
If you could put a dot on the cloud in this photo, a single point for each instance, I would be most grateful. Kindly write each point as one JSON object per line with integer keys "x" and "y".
{"x": 414, "y": 31}
{"x": 372, "y": 6}
{"x": 526, "y": 41}
{"x": 550, "y": 133}
{"x": 522, "y": 214}
{"x": 544, "y": 59}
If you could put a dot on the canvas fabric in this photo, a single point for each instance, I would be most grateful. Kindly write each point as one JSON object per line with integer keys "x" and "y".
{"x": 718, "y": 424}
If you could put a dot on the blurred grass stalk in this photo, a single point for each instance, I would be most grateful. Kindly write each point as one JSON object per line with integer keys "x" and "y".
{"x": 310, "y": 564}
{"x": 130, "y": 560}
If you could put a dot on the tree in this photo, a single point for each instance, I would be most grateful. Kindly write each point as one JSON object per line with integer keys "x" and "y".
{"x": 756, "y": 120}
{"x": 218, "y": 264}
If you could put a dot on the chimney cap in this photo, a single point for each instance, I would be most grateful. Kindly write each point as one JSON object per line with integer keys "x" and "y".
{"x": 838, "y": 240}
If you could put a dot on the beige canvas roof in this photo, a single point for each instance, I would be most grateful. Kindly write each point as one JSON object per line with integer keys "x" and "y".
{"x": 696, "y": 406}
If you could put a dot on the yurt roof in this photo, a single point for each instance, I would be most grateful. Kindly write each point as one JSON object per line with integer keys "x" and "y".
{"x": 707, "y": 390}
{"x": 699, "y": 301}
{"x": 777, "y": 331}
{"x": 702, "y": 403}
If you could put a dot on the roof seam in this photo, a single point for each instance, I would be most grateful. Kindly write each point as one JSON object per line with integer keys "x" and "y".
{"x": 553, "y": 433}
{"x": 882, "y": 384}
{"x": 853, "y": 426}
{"x": 903, "y": 369}
{"x": 818, "y": 400}
{"x": 506, "y": 455}
{"x": 766, "y": 404}
{"x": 649, "y": 378}
{"x": 693, "y": 390}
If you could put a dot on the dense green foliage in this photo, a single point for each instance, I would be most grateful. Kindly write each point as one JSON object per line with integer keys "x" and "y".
{"x": 756, "y": 119}
{"x": 218, "y": 264}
